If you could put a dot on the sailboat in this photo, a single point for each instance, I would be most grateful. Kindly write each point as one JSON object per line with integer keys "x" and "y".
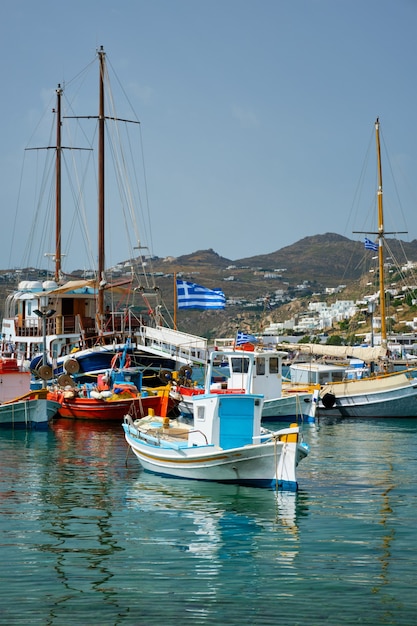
{"x": 378, "y": 395}
{"x": 60, "y": 327}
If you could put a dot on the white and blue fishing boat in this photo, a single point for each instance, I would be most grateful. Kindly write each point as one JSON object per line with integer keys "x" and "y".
{"x": 224, "y": 442}
{"x": 258, "y": 371}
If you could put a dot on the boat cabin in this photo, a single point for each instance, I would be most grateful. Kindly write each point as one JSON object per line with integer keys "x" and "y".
{"x": 316, "y": 373}
{"x": 258, "y": 372}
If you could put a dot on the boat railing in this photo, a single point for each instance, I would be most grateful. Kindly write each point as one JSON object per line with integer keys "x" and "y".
{"x": 68, "y": 324}
{"x": 177, "y": 344}
{"x": 122, "y": 321}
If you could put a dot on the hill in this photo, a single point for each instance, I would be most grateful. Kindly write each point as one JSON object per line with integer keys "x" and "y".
{"x": 262, "y": 288}
{"x": 273, "y": 286}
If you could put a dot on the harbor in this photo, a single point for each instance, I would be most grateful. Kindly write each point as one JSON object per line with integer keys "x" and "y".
{"x": 90, "y": 538}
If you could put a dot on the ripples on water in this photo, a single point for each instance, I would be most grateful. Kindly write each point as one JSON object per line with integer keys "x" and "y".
{"x": 88, "y": 540}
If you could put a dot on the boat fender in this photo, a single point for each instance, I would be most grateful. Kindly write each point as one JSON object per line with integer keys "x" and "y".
{"x": 328, "y": 400}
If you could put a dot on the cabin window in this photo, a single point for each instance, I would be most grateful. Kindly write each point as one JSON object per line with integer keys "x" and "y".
{"x": 200, "y": 414}
{"x": 274, "y": 365}
{"x": 240, "y": 366}
{"x": 260, "y": 367}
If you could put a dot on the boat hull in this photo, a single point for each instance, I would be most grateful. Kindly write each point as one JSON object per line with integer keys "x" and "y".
{"x": 31, "y": 413}
{"x": 106, "y": 410}
{"x": 270, "y": 464}
{"x": 285, "y": 408}
{"x": 391, "y": 401}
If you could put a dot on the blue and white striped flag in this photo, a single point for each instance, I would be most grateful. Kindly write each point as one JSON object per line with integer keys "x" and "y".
{"x": 242, "y": 338}
{"x": 370, "y": 245}
{"x": 192, "y": 296}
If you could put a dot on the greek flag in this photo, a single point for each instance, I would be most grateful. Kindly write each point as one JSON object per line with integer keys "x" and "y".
{"x": 370, "y": 245}
{"x": 242, "y": 338}
{"x": 192, "y": 296}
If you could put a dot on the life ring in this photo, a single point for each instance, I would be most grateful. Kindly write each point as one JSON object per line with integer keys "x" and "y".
{"x": 328, "y": 400}
{"x": 185, "y": 372}
{"x": 118, "y": 357}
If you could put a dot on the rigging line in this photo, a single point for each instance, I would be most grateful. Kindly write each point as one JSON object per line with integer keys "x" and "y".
{"x": 403, "y": 277}
{"x": 122, "y": 178}
{"x": 148, "y": 234}
{"x": 120, "y": 163}
{"x": 122, "y": 170}
{"x": 108, "y": 63}
{"x": 83, "y": 72}
{"x": 78, "y": 215}
{"x": 394, "y": 183}
{"x": 16, "y": 212}
{"x": 120, "y": 175}
{"x": 138, "y": 194}
{"x": 40, "y": 195}
{"x": 77, "y": 186}
{"x": 353, "y": 214}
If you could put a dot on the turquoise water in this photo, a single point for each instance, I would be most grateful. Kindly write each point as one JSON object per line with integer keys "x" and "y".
{"x": 86, "y": 539}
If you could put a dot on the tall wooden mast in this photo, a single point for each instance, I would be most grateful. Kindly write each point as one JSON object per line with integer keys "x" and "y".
{"x": 381, "y": 241}
{"x": 58, "y": 260}
{"x": 101, "y": 207}
{"x": 380, "y": 233}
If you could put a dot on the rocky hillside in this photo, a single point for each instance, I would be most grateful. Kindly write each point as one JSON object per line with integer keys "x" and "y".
{"x": 264, "y": 288}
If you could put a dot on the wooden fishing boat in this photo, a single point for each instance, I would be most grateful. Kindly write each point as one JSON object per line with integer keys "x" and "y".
{"x": 30, "y": 411}
{"x": 113, "y": 394}
{"x": 223, "y": 443}
{"x": 14, "y": 379}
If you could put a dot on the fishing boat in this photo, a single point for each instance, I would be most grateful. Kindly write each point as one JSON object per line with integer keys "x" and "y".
{"x": 111, "y": 405}
{"x": 224, "y": 443}
{"x": 114, "y": 393}
{"x": 257, "y": 371}
{"x": 382, "y": 393}
{"x": 14, "y": 379}
{"x": 29, "y": 411}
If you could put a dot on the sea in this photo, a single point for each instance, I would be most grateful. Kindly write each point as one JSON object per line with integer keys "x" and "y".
{"x": 89, "y": 538}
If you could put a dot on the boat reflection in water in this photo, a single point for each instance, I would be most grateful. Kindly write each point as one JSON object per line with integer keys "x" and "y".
{"x": 218, "y": 513}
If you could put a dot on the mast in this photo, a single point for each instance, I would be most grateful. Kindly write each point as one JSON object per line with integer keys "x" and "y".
{"x": 58, "y": 256}
{"x": 381, "y": 232}
{"x": 381, "y": 241}
{"x": 175, "y": 301}
{"x": 101, "y": 207}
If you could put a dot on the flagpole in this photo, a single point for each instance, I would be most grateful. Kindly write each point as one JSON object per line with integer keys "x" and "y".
{"x": 175, "y": 300}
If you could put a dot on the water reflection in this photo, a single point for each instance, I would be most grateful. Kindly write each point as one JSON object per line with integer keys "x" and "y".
{"x": 91, "y": 540}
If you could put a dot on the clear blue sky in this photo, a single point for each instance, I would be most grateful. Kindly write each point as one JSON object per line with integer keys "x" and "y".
{"x": 256, "y": 115}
